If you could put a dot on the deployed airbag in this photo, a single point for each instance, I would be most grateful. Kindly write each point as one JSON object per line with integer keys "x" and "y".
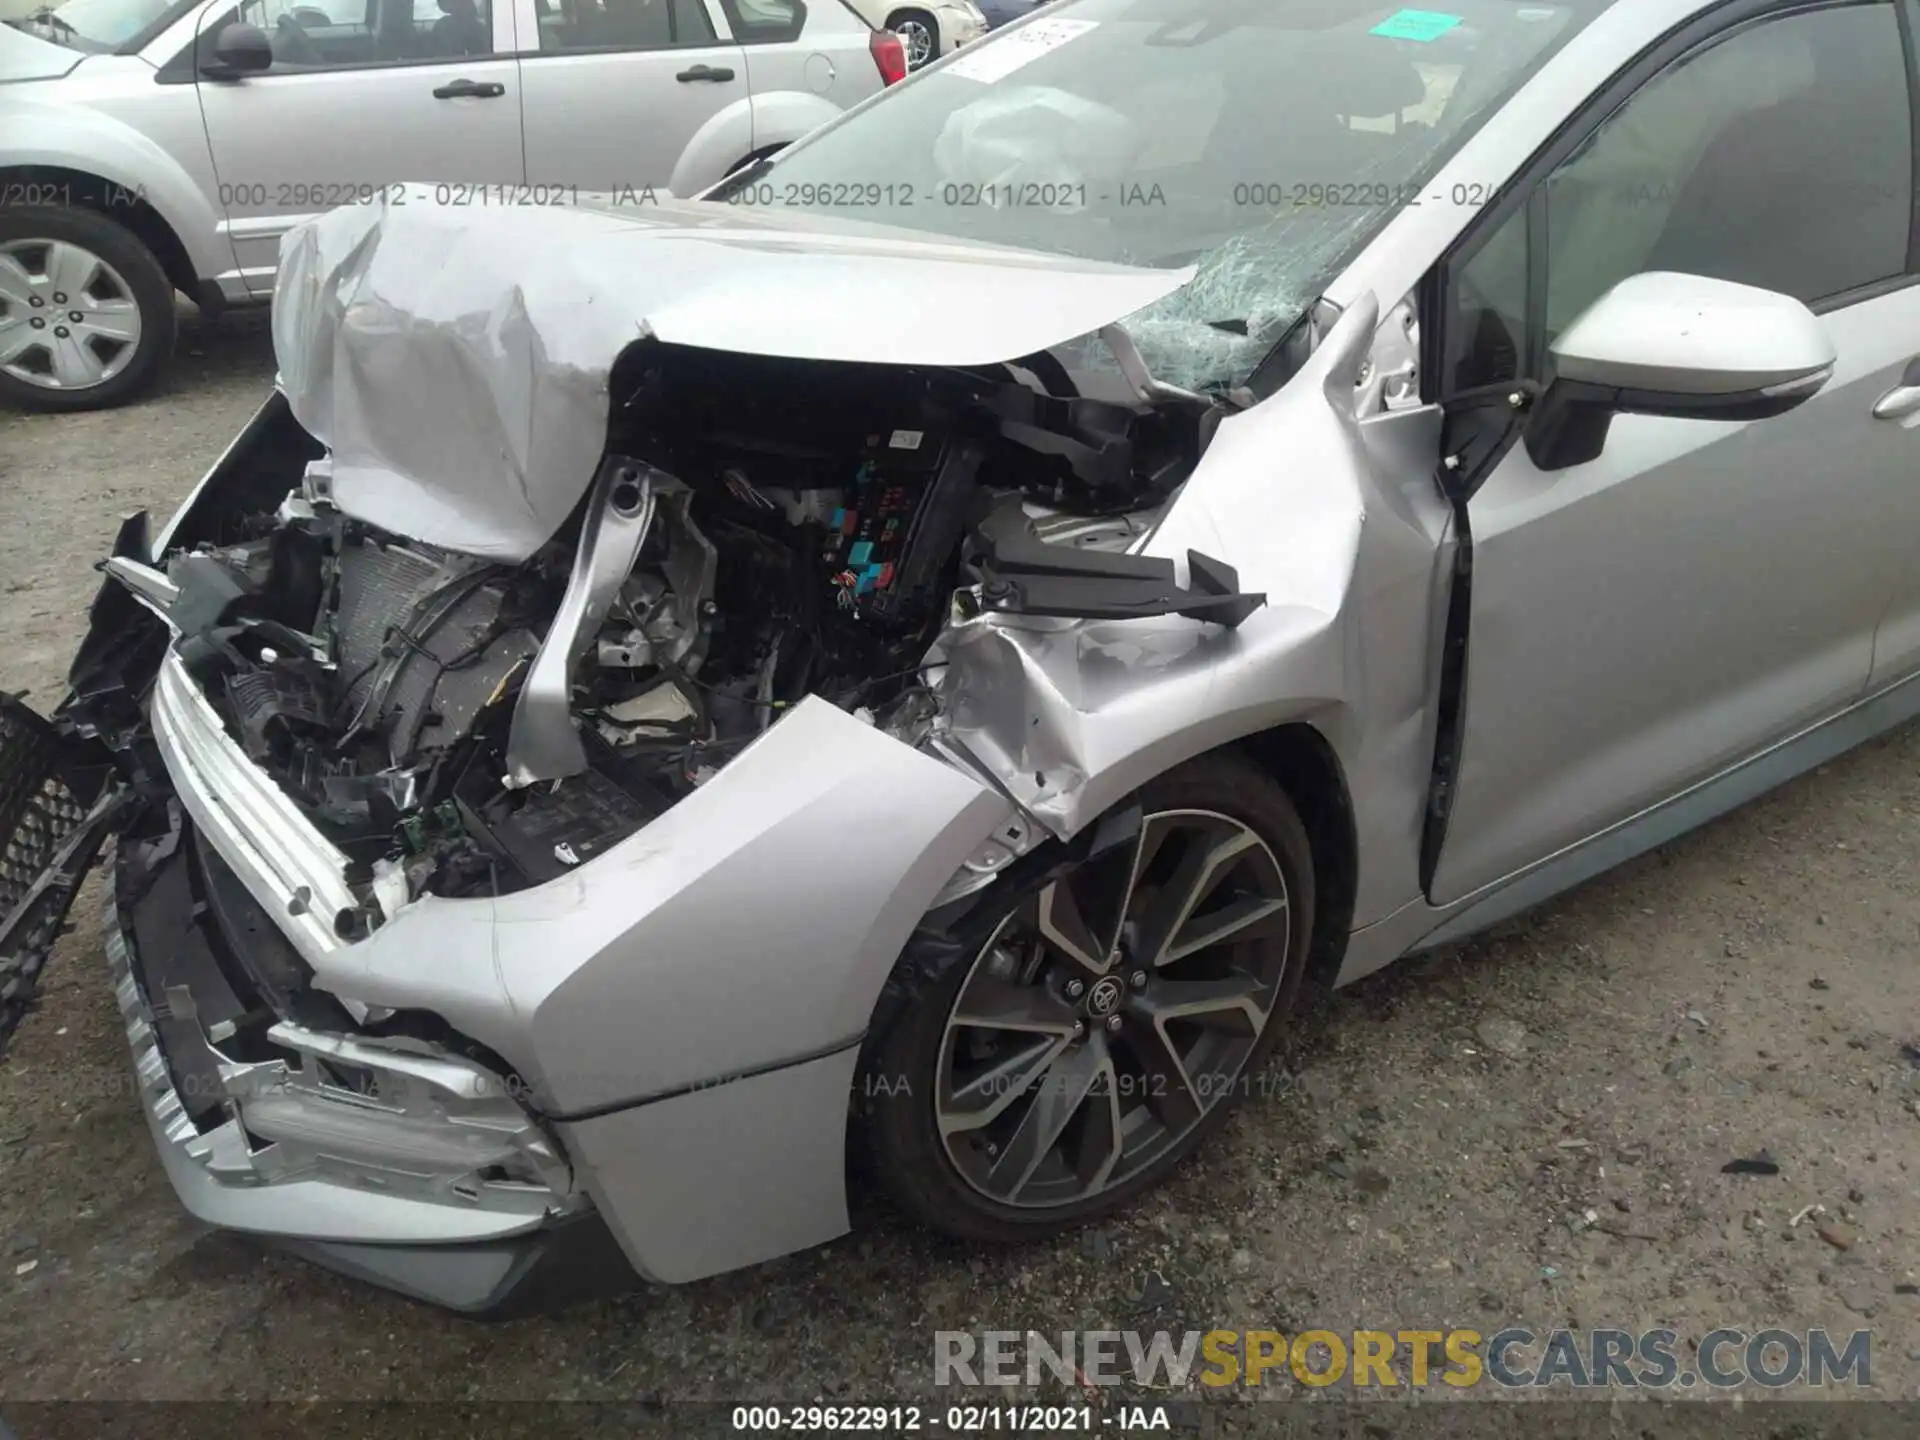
{"x": 1036, "y": 136}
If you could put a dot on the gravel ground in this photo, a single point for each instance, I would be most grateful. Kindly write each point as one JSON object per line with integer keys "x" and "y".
{"x": 1424, "y": 1158}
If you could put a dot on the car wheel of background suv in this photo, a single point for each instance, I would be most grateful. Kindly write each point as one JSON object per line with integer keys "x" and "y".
{"x": 86, "y": 312}
{"x": 1063, "y": 1045}
{"x": 919, "y": 36}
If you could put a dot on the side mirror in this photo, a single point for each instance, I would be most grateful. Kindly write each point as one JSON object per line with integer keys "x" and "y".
{"x": 239, "y": 50}
{"x": 1679, "y": 345}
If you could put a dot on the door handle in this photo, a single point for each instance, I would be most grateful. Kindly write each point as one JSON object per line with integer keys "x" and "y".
{"x": 469, "y": 90}
{"x": 1898, "y": 403}
{"x": 705, "y": 72}
{"x": 1903, "y": 399}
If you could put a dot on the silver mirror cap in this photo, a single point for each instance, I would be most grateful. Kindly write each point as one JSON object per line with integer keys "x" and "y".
{"x": 1678, "y": 334}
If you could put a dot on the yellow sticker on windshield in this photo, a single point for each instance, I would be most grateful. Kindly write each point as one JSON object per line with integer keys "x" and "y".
{"x": 1420, "y": 25}
{"x": 1012, "y": 49}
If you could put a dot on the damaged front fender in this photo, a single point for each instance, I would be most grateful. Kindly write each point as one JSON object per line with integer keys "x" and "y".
{"x": 1069, "y": 717}
{"x": 752, "y": 923}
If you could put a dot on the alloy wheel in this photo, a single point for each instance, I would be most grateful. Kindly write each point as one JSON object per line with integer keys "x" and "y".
{"x": 917, "y": 40}
{"x": 1111, "y": 1011}
{"x": 68, "y": 319}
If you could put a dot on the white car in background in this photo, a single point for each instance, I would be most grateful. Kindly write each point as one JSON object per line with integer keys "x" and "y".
{"x": 154, "y": 146}
{"x": 928, "y": 28}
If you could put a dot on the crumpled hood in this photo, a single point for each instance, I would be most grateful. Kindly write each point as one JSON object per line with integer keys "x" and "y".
{"x": 28, "y": 57}
{"x": 455, "y": 357}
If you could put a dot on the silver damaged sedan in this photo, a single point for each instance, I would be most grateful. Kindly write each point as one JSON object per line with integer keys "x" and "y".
{"x": 899, "y": 675}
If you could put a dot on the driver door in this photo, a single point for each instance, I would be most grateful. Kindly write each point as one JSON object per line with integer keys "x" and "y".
{"x": 362, "y": 95}
{"x": 1701, "y": 590}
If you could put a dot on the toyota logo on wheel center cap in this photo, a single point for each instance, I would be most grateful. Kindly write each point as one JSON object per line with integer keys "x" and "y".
{"x": 1105, "y": 996}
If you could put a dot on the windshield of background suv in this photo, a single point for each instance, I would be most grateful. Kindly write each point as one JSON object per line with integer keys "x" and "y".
{"x": 1263, "y": 140}
{"x": 96, "y": 26}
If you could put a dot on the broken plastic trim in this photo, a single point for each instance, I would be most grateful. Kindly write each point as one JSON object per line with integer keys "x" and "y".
{"x": 1479, "y": 427}
{"x": 119, "y": 655}
{"x": 1021, "y": 574}
{"x": 152, "y": 588}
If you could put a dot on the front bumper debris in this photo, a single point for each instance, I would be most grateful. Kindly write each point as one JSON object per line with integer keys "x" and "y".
{"x": 701, "y": 1143}
{"x": 416, "y": 1169}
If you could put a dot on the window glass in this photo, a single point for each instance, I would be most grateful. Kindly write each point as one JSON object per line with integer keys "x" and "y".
{"x": 623, "y": 24}
{"x": 335, "y": 34}
{"x": 94, "y": 26}
{"x": 1779, "y": 157}
{"x": 1782, "y": 157}
{"x": 1264, "y": 142}
{"x": 765, "y": 20}
{"x": 1486, "y": 341}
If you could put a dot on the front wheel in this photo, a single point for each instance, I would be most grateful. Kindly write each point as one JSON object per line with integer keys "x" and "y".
{"x": 1090, "y": 1029}
{"x": 919, "y": 36}
{"x": 86, "y": 312}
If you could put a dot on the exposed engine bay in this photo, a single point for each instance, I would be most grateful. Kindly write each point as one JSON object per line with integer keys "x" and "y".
{"x": 761, "y": 530}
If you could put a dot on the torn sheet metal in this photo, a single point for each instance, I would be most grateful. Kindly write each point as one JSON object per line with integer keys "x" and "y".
{"x": 1071, "y": 717}
{"x": 455, "y": 359}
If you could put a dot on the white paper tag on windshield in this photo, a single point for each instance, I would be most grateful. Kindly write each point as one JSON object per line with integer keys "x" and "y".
{"x": 1006, "y": 53}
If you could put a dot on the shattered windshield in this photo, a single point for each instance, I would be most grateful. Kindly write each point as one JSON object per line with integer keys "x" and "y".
{"x": 1264, "y": 141}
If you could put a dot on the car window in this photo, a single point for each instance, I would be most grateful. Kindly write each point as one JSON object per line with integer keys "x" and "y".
{"x": 344, "y": 34}
{"x": 1487, "y": 334}
{"x": 1263, "y": 142}
{"x": 622, "y": 24}
{"x": 1780, "y": 156}
{"x": 92, "y": 25}
{"x": 762, "y": 21}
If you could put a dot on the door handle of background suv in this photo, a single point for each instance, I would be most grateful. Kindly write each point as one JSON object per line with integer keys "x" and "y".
{"x": 1903, "y": 399}
{"x": 705, "y": 72}
{"x": 469, "y": 90}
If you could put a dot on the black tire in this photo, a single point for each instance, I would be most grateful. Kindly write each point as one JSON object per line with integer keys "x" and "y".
{"x": 151, "y": 291}
{"x": 918, "y": 17}
{"x": 896, "y": 1106}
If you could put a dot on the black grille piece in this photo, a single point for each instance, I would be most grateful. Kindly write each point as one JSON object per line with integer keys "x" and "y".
{"x": 37, "y": 810}
{"x": 48, "y": 839}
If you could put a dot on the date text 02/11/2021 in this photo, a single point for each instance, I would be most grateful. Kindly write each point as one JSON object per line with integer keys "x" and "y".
{"x": 328, "y": 195}
{"x": 959, "y": 1420}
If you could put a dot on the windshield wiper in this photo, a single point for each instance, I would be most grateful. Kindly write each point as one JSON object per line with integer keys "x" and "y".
{"x": 740, "y": 179}
{"x": 1140, "y": 379}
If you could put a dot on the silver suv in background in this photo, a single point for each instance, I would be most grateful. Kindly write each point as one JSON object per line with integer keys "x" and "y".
{"x": 148, "y": 147}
